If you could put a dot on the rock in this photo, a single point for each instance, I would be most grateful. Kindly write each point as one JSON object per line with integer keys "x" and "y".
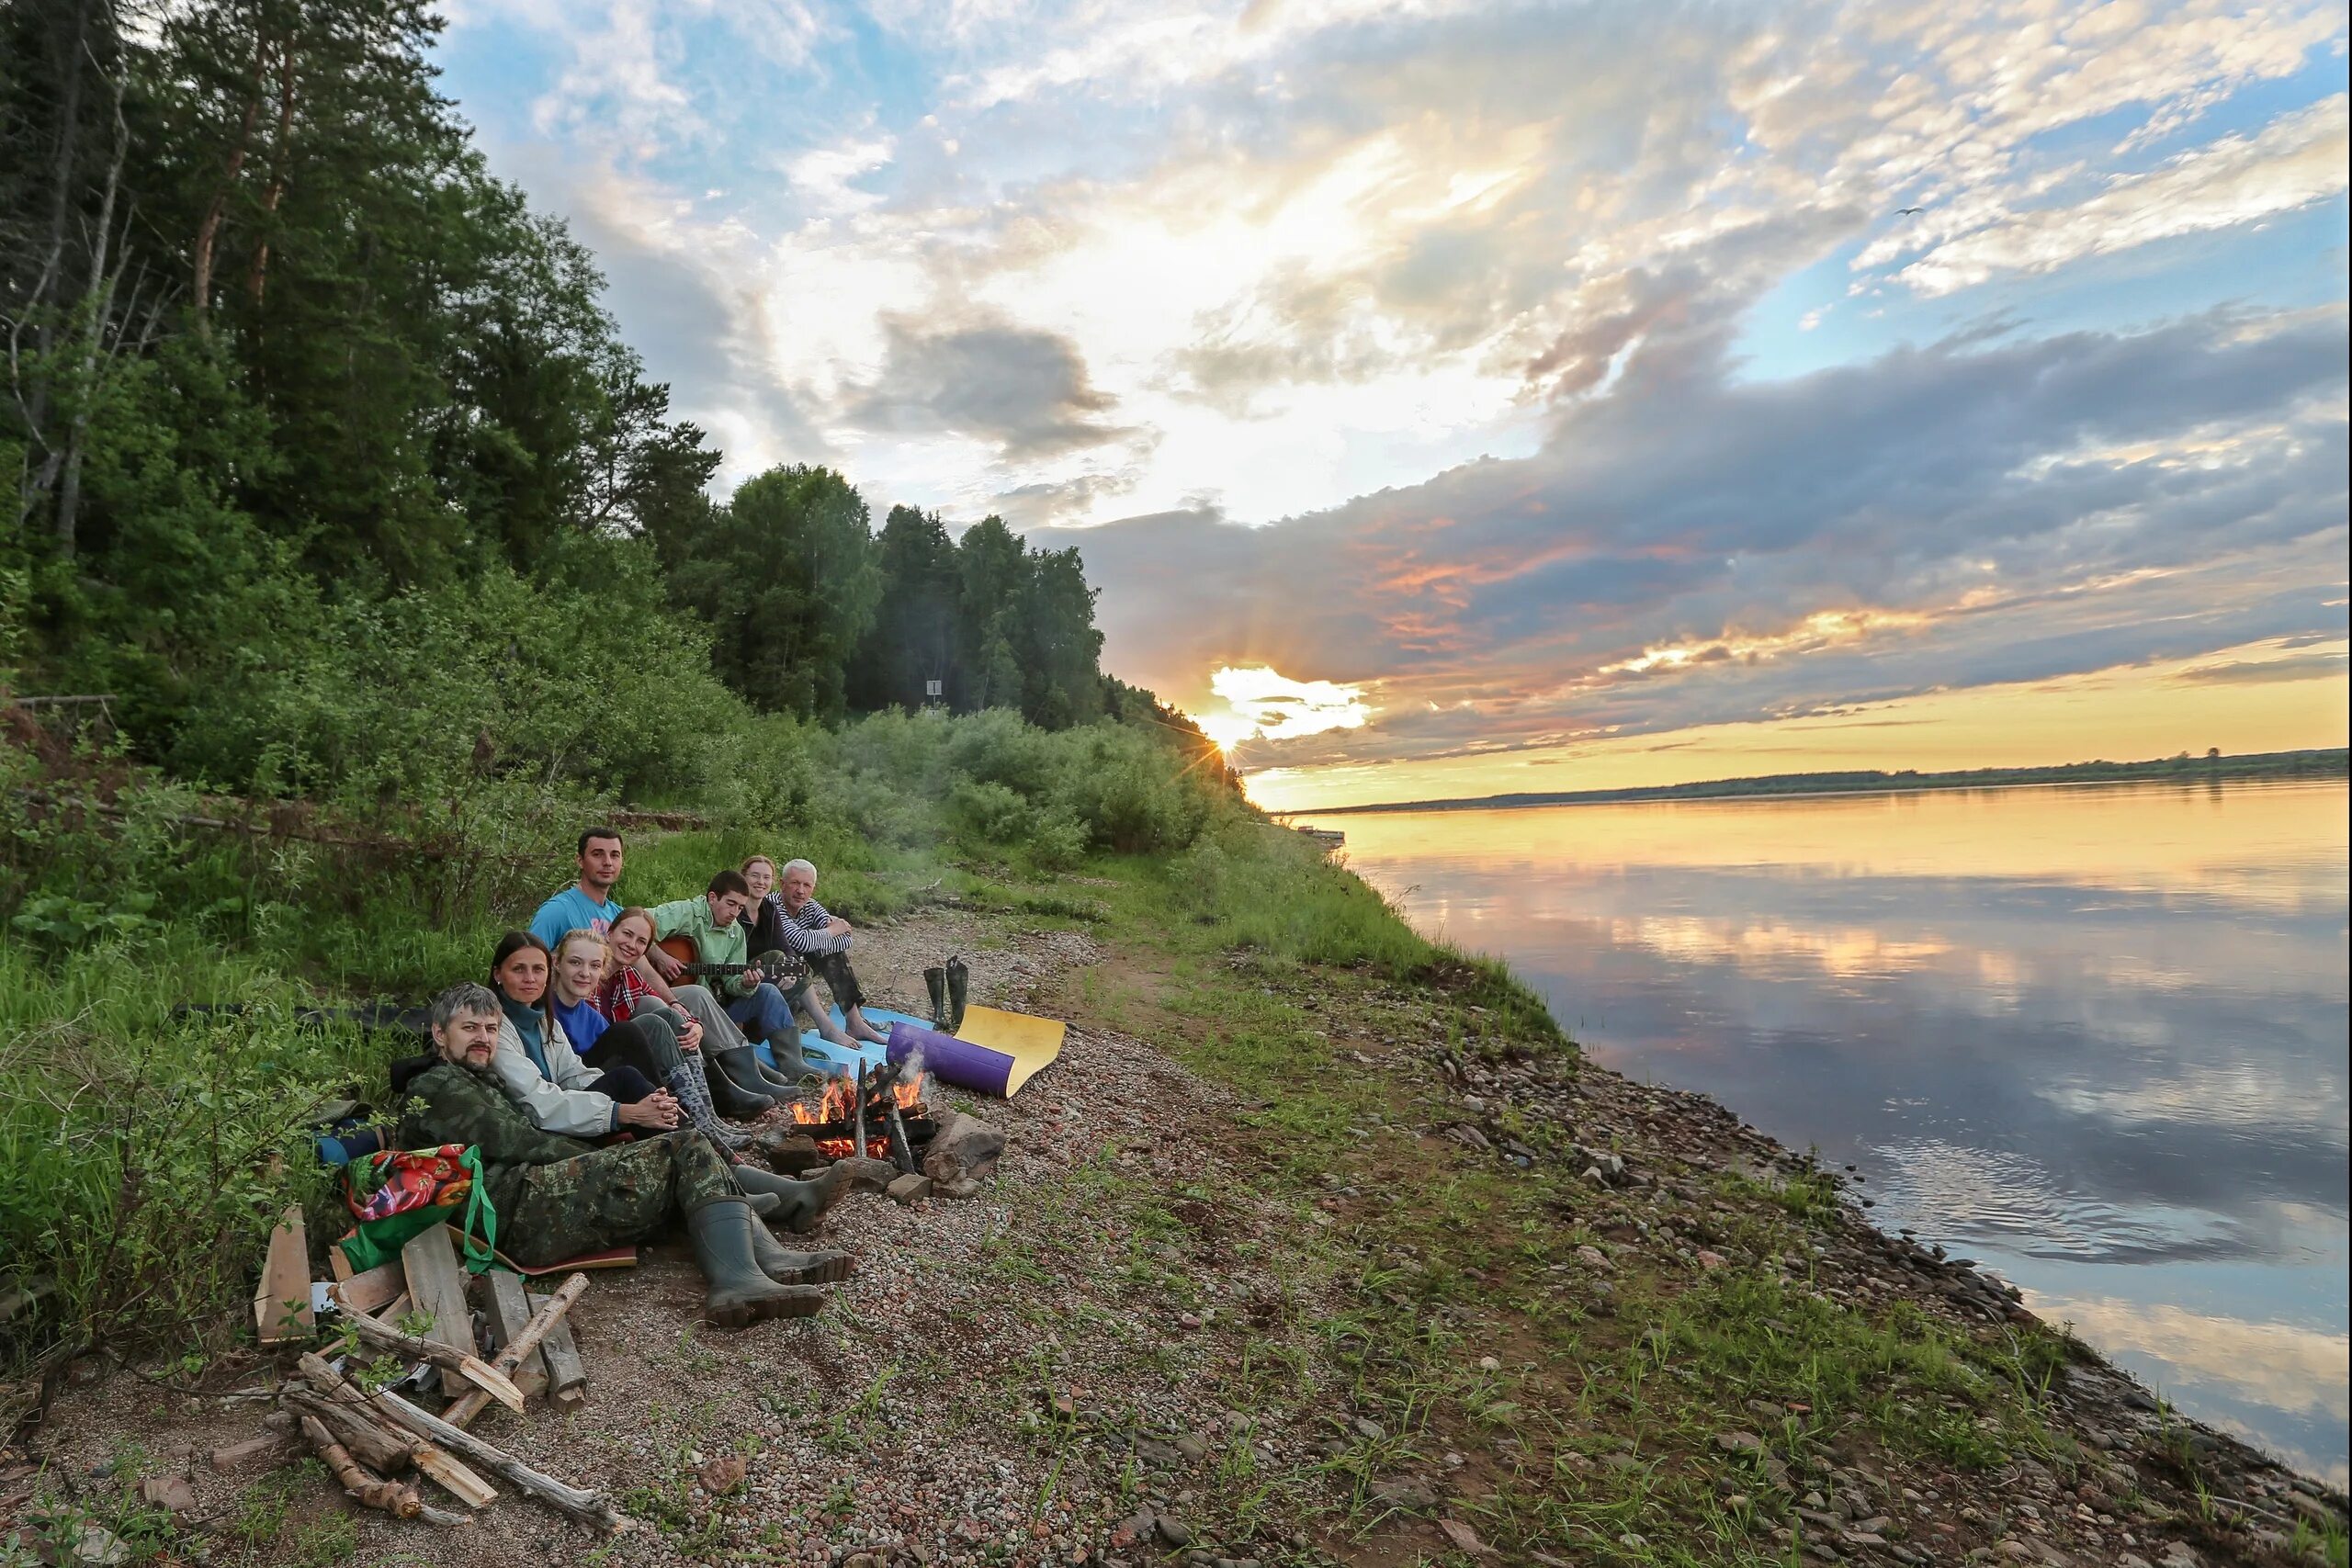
{"x": 97, "y": 1544}
{"x": 967, "y": 1187}
{"x": 791, "y": 1153}
{"x": 1463, "y": 1538}
{"x": 869, "y": 1175}
{"x": 167, "y": 1492}
{"x": 722, "y": 1475}
{"x": 1740, "y": 1442}
{"x": 964, "y": 1149}
{"x": 1367, "y": 1428}
{"x": 1173, "y": 1531}
{"x": 1710, "y": 1261}
{"x": 1592, "y": 1257}
{"x": 1405, "y": 1492}
{"x": 910, "y": 1189}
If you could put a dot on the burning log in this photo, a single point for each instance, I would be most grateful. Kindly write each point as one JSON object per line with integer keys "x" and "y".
{"x": 874, "y": 1114}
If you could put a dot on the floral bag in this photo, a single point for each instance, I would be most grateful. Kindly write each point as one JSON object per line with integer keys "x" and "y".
{"x": 397, "y": 1193}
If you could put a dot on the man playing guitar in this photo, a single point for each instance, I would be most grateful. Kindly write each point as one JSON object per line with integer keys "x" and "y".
{"x": 713, "y": 923}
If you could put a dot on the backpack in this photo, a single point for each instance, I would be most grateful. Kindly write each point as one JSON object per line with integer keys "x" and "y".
{"x": 398, "y": 1193}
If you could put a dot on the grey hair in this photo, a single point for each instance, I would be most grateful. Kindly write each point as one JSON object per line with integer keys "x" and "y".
{"x": 792, "y": 865}
{"x": 466, "y": 996}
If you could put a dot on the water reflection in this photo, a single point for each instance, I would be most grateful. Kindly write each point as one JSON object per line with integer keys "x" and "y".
{"x": 2095, "y": 1038}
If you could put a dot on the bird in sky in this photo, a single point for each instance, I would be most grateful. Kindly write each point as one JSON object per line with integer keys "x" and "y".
{"x": 1907, "y": 211}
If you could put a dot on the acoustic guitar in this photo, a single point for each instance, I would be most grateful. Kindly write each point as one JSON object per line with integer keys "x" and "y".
{"x": 782, "y": 970}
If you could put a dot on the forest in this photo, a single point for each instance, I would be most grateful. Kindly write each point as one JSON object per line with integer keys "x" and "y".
{"x": 312, "y": 419}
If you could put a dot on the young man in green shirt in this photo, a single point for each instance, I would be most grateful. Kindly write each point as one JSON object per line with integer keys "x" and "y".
{"x": 714, "y": 923}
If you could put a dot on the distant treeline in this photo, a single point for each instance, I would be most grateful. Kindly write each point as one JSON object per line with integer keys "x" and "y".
{"x": 2321, "y": 764}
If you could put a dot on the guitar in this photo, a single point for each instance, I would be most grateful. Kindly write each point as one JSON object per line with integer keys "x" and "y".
{"x": 782, "y": 970}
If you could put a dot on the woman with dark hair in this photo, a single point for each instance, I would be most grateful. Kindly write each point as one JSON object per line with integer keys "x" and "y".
{"x": 542, "y": 1073}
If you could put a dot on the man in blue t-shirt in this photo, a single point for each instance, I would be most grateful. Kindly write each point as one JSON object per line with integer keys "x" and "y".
{"x": 588, "y": 903}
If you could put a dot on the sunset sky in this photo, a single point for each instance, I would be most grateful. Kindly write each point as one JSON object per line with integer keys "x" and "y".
{"x": 1462, "y": 396}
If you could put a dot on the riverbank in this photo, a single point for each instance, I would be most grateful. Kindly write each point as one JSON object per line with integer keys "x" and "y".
{"x": 1318, "y": 1245}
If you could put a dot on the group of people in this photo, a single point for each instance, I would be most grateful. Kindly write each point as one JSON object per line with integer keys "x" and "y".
{"x": 597, "y": 1076}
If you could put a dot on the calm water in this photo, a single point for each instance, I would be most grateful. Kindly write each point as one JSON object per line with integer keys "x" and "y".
{"x": 2094, "y": 1038}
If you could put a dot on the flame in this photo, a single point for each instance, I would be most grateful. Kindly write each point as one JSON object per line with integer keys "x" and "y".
{"x": 836, "y": 1104}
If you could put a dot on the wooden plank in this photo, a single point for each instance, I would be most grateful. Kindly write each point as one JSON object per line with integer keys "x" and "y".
{"x": 567, "y": 1374}
{"x": 527, "y": 1340}
{"x": 439, "y": 1287}
{"x": 282, "y": 1298}
{"x": 337, "y": 1264}
{"x": 490, "y": 1382}
{"x": 508, "y": 1307}
{"x": 372, "y": 1290}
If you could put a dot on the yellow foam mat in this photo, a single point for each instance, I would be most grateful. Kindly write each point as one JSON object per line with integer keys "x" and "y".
{"x": 1032, "y": 1042}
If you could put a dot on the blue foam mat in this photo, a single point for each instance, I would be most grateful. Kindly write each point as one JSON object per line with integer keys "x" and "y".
{"x": 837, "y": 1059}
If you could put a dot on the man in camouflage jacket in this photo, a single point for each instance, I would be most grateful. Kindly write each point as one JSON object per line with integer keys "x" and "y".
{"x": 557, "y": 1197}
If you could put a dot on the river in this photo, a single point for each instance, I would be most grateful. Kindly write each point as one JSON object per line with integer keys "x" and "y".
{"x": 2093, "y": 1037}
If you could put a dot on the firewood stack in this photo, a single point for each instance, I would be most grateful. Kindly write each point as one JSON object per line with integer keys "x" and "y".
{"x": 380, "y": 1445}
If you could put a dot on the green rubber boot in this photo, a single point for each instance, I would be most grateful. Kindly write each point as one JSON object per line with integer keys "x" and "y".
{"x": 935, "y": 980}
{"x": 803, "y": 1204}
{"x": 787, "y": 1267}
{"x": 736, "y": 1292}
{"x": 736, "y": 1086}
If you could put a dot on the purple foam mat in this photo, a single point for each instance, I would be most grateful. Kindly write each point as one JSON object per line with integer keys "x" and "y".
{"x": 952, "y": 1061}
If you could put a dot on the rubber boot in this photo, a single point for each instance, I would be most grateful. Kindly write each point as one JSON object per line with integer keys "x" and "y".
{"x": 736, "y": 1293}
{"x": 784, "y": 1045}
{"x": 785, "y": 1267}
{"x": 959, "y": 984}
{"x": 685, "y": 1081}
{"x": 763, "y": 1204}
{"x": 804, "y": 1202}
{"x": 735, "y": 1082}
{"x": 935, "y": 980}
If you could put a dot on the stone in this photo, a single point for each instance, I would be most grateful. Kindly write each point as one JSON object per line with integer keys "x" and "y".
{"x": 1463, "y": 1538}
{"x": 1404, "y": 1491}
{"x": 1367, "y": 1428}
{"x": 910, "y": 1189}
{"x": 869, "y": 1175}
{"x": 722, "y": 1475}
{"x": 967, "y": 1187}
{"x": 1173, "y": 1531}
{"x": 1740, "y": 1442}
{"x": 964, "y": 1149}
{"x": 167, "y": 1492}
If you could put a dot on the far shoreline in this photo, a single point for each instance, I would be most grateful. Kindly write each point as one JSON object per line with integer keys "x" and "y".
{"x": 2323, "y": 763}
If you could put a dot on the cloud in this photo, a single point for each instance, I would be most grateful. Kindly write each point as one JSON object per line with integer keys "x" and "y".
{"x": 1025, "y": 391}
{"x": 1692, "y": 550}
{"x": 2253, "y": 672}
{"x": 2296, "y": 161}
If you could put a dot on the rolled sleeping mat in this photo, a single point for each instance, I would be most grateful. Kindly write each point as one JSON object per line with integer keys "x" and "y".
{"x": 952, "y": 1061}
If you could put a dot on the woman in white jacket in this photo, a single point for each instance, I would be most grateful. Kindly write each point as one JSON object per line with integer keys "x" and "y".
{"x": 541, "y": 1073}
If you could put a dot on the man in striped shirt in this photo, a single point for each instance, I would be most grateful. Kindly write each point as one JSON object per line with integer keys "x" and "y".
{"x": 789, "y": 916}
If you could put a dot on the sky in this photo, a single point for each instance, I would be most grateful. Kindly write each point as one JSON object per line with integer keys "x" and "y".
{"x": 1460, "y": 397}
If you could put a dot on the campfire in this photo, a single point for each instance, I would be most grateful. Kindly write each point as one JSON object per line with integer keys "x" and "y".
{"x": 874, "y": 1114}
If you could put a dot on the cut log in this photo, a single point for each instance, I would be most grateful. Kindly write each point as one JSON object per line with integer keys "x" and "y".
{"x": 587, "y": 1508}
{"x": 385, "y": 1453}
{"x": 567, "y": 1373}
{"x": 439, "y": 1287}
{"x": 369, "y": 1490}
{"x": 506, "y": 1306}
{"x": 282, "y": 1298}
{"x": 434, "y": 1460}
{"x": 372, "y": 1290}
{"x": 489, "y": 1381}
{"x": 522, "y": 1344}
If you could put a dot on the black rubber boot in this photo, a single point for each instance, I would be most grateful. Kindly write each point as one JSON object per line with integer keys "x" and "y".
{"x": 804, "y": 1202}
{"x": 935, "y": 980}
{"x": 787, "y": 1267}
{"x": 959, "y": 985}
{"x": 736, "y": 1293}
{"x": 736, "y": 1087}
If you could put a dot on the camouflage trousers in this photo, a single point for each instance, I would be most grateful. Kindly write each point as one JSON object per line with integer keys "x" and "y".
{"x": 614, "y": 1196}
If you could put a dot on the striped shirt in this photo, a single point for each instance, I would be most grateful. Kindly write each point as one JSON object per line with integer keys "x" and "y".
{"x": 804, "y": 932}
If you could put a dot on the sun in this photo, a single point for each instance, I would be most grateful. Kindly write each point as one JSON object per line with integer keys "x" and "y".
{"x": 1258, "y": 701}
